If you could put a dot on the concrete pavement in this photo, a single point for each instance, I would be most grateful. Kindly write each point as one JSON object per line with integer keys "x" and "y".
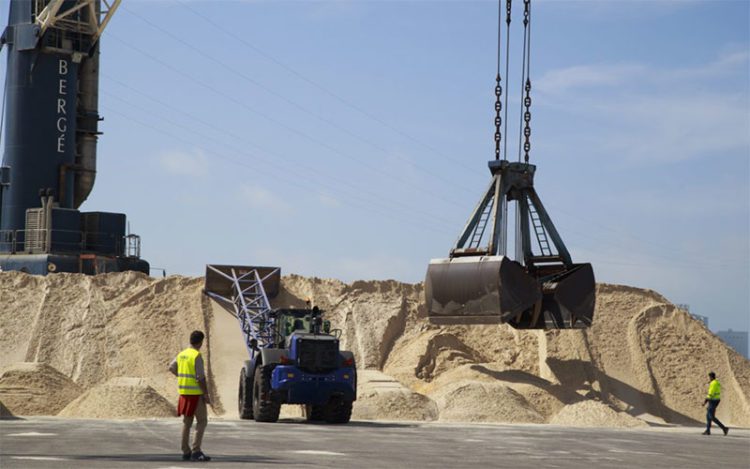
{"x": 61, "y": 443}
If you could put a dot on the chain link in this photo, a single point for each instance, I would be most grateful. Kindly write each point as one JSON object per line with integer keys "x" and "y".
{"x": 508, "y": 8}
{"x": 527, "y": 85}
{"x": 526, "y": 12}
{"x": 498, "y": 86}
{"x": 498, "y": 119}
{"x": 527, "y": 121}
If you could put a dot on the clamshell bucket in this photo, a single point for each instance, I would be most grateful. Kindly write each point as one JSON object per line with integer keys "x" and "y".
{"x": 479, "y": 286}
{"x": 541, "y": 289}
{"x": 497, "y": 289}
{"x": 569, "y": 298}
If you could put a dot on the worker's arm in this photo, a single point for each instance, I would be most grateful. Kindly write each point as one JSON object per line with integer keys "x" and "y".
{"x": 173, "y": 367}
{"x": 200, "y": 375}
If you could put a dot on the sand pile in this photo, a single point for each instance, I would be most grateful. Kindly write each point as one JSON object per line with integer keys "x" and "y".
{"x": 120, "y": 398}
{"x": 151, "y": 326}
{"x": 592, "y": 413}
{"x": 642, "y": 358}
{"x": 35, "y": 389}
{"x": 92, "y": 329}
{"x": 381, "y": 397}
{"x": 473, "y": 401}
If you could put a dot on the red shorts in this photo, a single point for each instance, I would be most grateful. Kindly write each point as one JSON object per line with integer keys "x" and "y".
{"x": 188, "y": 404}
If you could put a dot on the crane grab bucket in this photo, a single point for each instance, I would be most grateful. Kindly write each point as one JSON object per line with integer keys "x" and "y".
{"x": 498, "y": 289}
{"x": 470, "y": 286}
{"x": 541, "y": 289}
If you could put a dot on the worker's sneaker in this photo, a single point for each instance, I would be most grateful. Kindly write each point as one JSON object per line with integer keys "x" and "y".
{"x": 186, "y": 456}
{"x": 199, "y": 456}
{"x": 725, "y": 430}
{"x": 706, "y": 433}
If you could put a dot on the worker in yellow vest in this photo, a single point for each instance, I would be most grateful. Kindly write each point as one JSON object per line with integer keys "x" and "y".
{"x": 191, "y": 381}
{"x": 712, "y": 399}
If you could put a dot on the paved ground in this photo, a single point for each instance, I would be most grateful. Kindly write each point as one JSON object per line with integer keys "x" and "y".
{"x": 61, "y": 443}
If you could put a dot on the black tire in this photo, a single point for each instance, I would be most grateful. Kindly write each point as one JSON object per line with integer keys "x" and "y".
{"x": 315, "y": 413}
{"x": 245, "y": 398}
{"x": 265, "y": 406}
{"x": 338, "y": 410}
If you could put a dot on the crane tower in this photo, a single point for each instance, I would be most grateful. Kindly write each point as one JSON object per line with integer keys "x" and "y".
{"x": 50, "y": 136}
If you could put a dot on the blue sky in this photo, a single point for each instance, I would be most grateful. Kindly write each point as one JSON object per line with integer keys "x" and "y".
{"x": 349, "y": 139}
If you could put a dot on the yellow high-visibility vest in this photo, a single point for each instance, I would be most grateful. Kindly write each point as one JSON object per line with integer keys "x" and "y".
{"x": 714, "y": 390}
{"x": 186, "y": 379}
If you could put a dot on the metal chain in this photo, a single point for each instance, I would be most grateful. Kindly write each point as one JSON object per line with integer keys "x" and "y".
{"x": 527, "y": 85}
{"x": 498, "y": 119}
{"x": 508, "y": 4}
{"x": 498, "y": 88}
{"x": 527, "y": 121}
{"x": 507, "y": 11}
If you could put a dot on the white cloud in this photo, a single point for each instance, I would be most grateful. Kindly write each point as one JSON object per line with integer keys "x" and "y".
{"x": 259, "y": 198}
{"x": 674, "y": 128}
{"x": 655, "y": 114}
{"x": 593, "y": 76}
{"x": 366, "y": 266}
{"x": 329, "y": 200}
{"x": 374, "y": 267}
{"x": 184, "y": 163}
{"x": 559, "y": 81}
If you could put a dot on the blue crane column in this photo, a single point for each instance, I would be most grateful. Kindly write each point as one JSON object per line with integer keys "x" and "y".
{"x": 50, "y": 136}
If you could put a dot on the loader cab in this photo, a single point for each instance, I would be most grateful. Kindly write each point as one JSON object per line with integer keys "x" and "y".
{"x": 300, "y": 321}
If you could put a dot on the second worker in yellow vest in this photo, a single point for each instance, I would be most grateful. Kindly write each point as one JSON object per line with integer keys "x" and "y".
{"x": 712, "y": 399}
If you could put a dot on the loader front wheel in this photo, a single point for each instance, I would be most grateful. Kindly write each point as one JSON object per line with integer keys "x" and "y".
{"x": 338, "y": 410}
{"x": 315, "y": 413}
{"x": 245, "y": 398}
{"x": 265, "y": 407}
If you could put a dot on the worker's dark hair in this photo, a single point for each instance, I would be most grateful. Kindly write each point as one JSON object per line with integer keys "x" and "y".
{"x": 196, "y": 337}
{"x": 712, "y": 375}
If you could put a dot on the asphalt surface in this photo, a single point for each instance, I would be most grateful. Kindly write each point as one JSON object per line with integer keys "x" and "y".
{"x": 63, "y": 443}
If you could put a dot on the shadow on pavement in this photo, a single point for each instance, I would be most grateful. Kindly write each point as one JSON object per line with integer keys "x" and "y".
{"x": 159, "y": 458}
{"x": 353, "y": 423}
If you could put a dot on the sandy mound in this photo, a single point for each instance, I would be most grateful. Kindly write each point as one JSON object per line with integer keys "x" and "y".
{"x": 35, "y": 389}
{"x": 594, "y": 414}
{"x": 120, "y": 398}
{"x": 473, "y": 401}
{"x": 380, "y": 397}
{"x": 162, "y": 316}
{"x": 642, "y": 356}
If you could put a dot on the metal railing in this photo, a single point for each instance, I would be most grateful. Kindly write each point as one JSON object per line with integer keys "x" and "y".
{"x": 42, "y": 241}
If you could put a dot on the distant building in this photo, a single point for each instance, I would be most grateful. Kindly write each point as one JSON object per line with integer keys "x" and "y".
{"x": 686, "y": 308}
{"x": 703, "y": 319}
{"x": 735, "y": 339}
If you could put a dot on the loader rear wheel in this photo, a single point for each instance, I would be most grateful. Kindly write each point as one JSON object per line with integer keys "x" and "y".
{"x": 338, "y": 410}
{"x": 315, "y": 413}
{"x": 245, "y": 398}
{"x": 265, "y": 407}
